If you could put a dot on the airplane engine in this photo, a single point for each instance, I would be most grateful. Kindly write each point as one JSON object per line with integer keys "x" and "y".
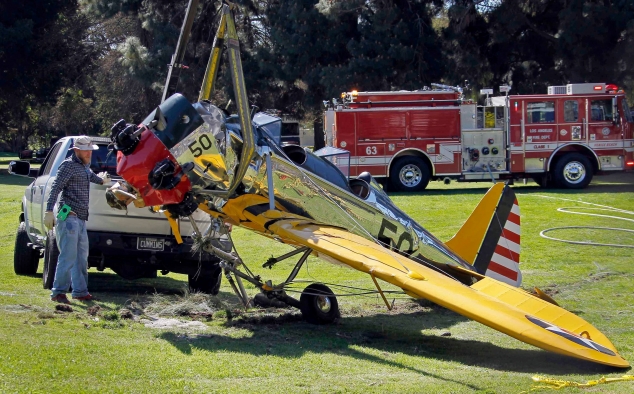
{"x": 177, "y": 149}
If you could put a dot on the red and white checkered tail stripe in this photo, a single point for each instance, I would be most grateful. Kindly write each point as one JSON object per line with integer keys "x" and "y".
{"x": 504, "y": 265}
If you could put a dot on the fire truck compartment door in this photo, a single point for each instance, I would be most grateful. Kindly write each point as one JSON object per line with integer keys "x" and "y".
{"x": 605, "y": 132}
{"x": 370, "y": 156}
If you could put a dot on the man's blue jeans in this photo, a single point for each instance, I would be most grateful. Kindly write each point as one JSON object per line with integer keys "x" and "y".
{"x": 72, "y": 264}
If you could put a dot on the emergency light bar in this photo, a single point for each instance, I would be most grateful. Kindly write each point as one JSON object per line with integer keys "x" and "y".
{"x": 585, "y": 88}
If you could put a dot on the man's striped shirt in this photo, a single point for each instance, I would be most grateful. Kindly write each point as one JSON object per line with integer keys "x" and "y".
{"x": 73, "y": 181}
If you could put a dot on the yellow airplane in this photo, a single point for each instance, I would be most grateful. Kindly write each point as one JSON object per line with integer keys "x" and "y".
{"x": 185, "y": 157}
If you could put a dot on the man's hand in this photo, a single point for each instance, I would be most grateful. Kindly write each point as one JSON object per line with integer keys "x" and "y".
{"x": 49, "y": 219}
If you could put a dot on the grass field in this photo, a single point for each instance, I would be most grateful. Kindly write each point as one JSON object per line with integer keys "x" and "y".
{"x": 416, "y": 348}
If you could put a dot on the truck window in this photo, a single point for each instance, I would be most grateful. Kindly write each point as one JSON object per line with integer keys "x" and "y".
{"x": 540, "y": 112}
{"x": 571, "y": 111}
{"x": 104, "y": 160}
{"x": 48, "y": 162}
{"x": 601, "y": 110}
{"x": 627, "y": 112}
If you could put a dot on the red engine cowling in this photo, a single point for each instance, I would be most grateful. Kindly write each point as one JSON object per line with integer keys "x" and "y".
{"x": 136, "y": 167}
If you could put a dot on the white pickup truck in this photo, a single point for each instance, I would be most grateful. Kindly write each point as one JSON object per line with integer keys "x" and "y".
{"x": 135, "y": 243}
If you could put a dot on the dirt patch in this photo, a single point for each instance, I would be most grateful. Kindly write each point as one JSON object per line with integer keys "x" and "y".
{"x": 194, "y": 305}
{"x": 163, "y": 323}
{"x": 93, "y": 310}
{"x": 63, "y": 308}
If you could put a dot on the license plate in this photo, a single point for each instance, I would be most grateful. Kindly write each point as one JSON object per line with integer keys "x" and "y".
{"x": 146, "y": 243}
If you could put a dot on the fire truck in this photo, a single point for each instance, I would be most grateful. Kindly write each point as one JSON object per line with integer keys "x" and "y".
{"x": 407, "y": 138}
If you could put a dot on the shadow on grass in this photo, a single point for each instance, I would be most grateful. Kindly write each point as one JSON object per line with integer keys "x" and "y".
{"x": 14, "y": 180}
{"x": 113, "y": 284}
{"x": 362, "y": 337}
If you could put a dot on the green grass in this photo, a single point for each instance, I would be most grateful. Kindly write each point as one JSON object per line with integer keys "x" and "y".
{"x": 370, "y": 350}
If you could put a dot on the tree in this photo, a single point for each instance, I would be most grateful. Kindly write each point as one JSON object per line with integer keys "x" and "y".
{"x": 318, "y": 49}
{"x": 41, "y": 50}
{"x": 531, "y": 44}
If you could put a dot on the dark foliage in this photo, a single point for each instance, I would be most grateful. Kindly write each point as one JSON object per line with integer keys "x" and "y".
{"x": 80, "y": 65}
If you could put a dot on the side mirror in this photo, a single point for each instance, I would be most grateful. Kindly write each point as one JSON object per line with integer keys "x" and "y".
{"x": 21, "y": 168}
{"x": 615, "y": 111}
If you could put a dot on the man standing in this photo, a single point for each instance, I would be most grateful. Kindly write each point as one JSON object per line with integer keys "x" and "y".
{"x": 73, "y": 181}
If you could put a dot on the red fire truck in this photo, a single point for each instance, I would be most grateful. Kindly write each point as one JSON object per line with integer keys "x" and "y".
{"x": 408, "y": 138}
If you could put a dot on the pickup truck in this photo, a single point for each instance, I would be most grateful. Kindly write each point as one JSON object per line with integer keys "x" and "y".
{"x": 134, "y": 243}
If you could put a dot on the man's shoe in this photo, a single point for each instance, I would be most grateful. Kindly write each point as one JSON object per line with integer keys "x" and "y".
{"x": 61, "y": 298}
{"x": 87, "y": 297}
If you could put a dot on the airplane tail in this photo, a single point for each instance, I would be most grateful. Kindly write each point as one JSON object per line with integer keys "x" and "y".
{"x": 490, "y": 239}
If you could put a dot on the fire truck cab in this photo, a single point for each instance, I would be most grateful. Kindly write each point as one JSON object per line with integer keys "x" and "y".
{"x": 408, "y": 138}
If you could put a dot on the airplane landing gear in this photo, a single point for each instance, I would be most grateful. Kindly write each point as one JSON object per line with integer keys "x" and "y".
{"x": 319, "y": 304}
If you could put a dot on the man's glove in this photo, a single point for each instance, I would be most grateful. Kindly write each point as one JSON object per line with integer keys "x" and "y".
{"x": 105, "y": 177}
{"x": 49, "y": 219}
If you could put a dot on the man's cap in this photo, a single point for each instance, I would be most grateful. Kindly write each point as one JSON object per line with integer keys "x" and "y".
{"x": 83, "y": 142}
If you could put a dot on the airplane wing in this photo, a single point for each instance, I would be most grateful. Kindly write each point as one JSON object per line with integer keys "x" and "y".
{"x": 503, "y": 307}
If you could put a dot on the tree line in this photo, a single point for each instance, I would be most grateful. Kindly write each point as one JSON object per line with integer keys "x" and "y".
{"x": 72, "y": 67}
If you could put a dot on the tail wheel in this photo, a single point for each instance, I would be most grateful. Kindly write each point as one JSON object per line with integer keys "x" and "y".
{"x": 25, "y": 259}
{"x": 319, "y": 304}
{"x": 409, "y": 174}
{"x": 573, "y": 171}
{"x": 51, "y": 254}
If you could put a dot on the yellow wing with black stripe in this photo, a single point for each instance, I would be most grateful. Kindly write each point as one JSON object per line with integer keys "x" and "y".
{"x": 498, "y": 305}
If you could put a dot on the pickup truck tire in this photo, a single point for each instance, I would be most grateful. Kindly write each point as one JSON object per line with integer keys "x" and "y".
{"x": 206, "y": 281}
{"x": 409, "y": 174}
{"x": 51, "y": 254}
{"x": 25, "y": 259}
{"x": 573, "y": 171}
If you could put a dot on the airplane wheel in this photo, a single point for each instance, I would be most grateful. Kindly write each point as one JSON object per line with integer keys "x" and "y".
{"x": 319, "y": 304}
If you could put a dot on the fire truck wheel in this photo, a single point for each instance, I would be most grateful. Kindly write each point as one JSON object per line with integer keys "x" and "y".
{"x": 409, "y": 174}
{"x": 573, "y": 171}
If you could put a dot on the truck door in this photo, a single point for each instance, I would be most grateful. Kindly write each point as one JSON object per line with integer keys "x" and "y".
{"x": 540, "y": 133}
{"x": 39, "y": 187}
{"x": 572, "y": 124}
{"x": 605, "y": 131}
